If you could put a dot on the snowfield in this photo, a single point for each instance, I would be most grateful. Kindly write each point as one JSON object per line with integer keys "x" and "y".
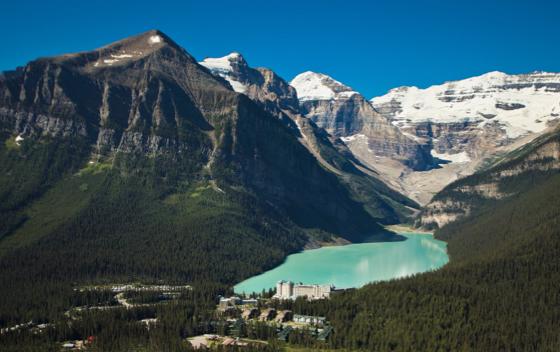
{"x": 222, "y": 66}
{"x": 317, "y": 86}
{"x": 519, "y": 103}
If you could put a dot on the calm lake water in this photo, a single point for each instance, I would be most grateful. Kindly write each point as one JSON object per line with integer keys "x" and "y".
{"x": 355, "y": 265}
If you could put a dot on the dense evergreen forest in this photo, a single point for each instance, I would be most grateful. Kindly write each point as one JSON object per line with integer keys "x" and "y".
{"x": 93, "y": 224}
{"x": 500, "y": 291}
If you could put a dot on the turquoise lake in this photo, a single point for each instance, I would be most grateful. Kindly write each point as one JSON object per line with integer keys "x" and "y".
{"x": 355, "y": 265}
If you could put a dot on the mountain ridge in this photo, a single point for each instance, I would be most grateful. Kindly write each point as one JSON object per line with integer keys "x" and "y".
{"x": 279, "y": 98}
{"x": 162, "y": 117}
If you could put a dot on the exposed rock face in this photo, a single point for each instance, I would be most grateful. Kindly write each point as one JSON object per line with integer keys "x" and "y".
{"x": 145, "y": 97}
{"x": 466, "y": 122}
{"x": 260, "y": 84}
{"x": 503, "y": 179}
{"x": 347, "y": 114}
{"x": 26, "y": 123}
{"x": 137, "y": 94}
{"x": 279, "y": 98}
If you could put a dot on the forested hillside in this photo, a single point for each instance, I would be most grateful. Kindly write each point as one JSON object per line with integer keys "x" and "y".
{"x": 498, "y": 293}
{"x": 133, "y": 162}
{"x": 513, "y": 173}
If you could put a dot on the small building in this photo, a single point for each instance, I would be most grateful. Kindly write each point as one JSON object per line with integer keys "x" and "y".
{"x": 284, "y": 316}
{"x": 250, "y": 301}
{"x": 228, "y": 341}
{"x": 308, "y": 319}
{"x": 267, "y": 314}
{"x": 227, "y": 302}
{"x": 250, "y": 313}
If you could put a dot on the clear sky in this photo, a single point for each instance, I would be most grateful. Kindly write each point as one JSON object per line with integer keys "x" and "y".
{"x": 372, "y": 46}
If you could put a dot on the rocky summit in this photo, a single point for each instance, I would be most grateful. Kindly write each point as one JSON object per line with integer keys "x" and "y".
{"x": 346, "y": 114}
{"x": 468, "y": 123}
{"x": 420, "y": 140}
{"x": 144, "y": 106}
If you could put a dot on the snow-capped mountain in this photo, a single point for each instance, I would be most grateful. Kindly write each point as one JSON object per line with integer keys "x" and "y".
{"x": 259, "y": 84}
{"x": 510, "y": 105}
{"x": 229, "y": 67}
{"x": 470, "y": 121}
{"x": 317, "y": 86}
{"x": 459, "y": 124}
{"x": 279, "y": 98}
{"x": 345, "y": 113}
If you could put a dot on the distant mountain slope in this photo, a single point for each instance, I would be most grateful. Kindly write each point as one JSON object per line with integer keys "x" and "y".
{"x": 135, "y": 162}
{"x": 500, "y": 288}
{"x": 507, "y": 177}
{"x": 279, "y": 98}
{"x": 345, "y": 113}
{"x": 468, "y": 121}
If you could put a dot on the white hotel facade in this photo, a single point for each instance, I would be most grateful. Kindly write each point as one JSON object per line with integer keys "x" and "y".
{"x": 289, "y": 290}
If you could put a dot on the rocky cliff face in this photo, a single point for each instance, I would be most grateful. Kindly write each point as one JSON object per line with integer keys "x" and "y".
{"x": 469, "y": 121}
{"x": 515, "y": 172}
{"x": 142, "y": 93}
{"x": 279, "y": 98}
{"x": 345, "y": 113}
{"x": 145, "y": 98}
{"x": 475, "y": 115}
{"x": 260, "y": 84}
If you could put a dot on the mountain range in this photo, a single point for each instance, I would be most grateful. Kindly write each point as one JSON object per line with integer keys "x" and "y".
{"x": 420, "y": 140}
{"x": 136, "y": 161}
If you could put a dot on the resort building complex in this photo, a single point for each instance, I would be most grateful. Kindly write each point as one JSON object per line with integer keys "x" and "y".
{"x": 289, "y": 290}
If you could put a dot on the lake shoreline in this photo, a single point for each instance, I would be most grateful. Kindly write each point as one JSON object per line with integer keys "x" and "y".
{"x": 336, "y": 241}
{"x": 408, "y": 229}
{"x": 355, "y": 264}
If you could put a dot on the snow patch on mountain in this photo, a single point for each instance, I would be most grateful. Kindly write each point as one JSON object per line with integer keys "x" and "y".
{"x": 317, "y": 86}
{"x": 354, "y": 137}
{"x": 222, "y": 66}
{"x": 461, "y": 157}
{"x": 154, "y": 39}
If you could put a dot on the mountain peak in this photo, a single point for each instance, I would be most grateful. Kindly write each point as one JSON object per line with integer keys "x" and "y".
{"x": 122, "y": 51}
{"x": 318, "y": 86}
{"x": 231, "y": 67}
{"x": 224, "y": 64}
{"x": 143, "y": 42}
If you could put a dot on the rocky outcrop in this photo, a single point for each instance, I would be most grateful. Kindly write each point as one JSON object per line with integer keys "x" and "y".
{"x": 347, "y": 114}
{"x": 508, "y": 176}
{"x": 439, "y": 213}
{"x": 147, "y": 105}
{"x": 468, "y": 122}
{"x": 28, "y": 123}
{"x": 279, "y": 98}
{"x": 260, "y": 84}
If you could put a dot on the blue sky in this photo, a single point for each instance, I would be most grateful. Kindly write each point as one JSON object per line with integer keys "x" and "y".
{"x": 372, "y": 46}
